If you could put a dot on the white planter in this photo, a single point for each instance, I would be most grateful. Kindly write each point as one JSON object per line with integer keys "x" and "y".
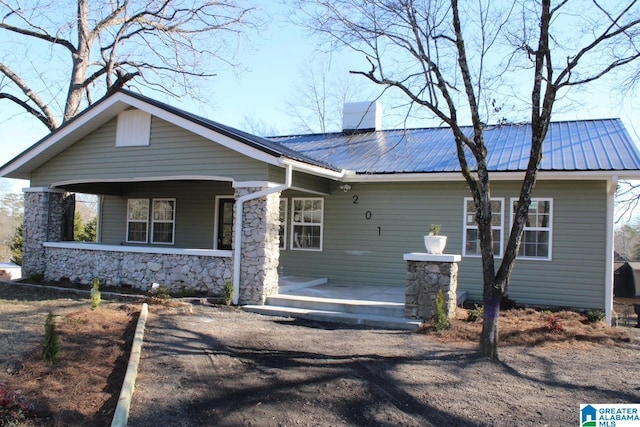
{"x": 435, "y": 244}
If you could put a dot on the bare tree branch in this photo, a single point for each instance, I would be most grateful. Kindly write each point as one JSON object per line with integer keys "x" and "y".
{"x": 164, "y": 45}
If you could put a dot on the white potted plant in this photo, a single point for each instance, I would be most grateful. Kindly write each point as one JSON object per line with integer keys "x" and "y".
{"x": 434, "y": 242}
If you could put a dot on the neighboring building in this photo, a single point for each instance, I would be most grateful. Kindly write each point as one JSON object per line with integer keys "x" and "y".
{"x": 345, "y": 206}
{"x": 626, "y": 279}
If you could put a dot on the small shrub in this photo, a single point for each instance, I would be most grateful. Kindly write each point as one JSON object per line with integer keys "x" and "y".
{"x": 441, "y": 319}
{"x": 476, "y": 313}
{"x": 434, "y": 229}
{"x": 14, "y": 408}
{"x": 161, "y": 293}
{"x": 51, "y": 346}
{"x": 227, "y": 292}
{"x": 554, "y": 324}
{"x": 95, "y": 294}
{"x": 16, "y": 245}
{"x": 594, "y": 316}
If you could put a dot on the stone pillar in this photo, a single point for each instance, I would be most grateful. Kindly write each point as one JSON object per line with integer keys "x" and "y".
{"x": 260, "y": 247}
{"x": 43, "y": 212}
{"x": 427, "y": 274}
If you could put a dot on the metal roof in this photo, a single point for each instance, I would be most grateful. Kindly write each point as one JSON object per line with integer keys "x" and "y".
{"x": 583, "y": 145}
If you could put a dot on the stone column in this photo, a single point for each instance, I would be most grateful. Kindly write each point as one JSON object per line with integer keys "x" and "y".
{"x": 426, "y": 275}
{"x": 260, "y": 247}
{"x": 43, "y": 211}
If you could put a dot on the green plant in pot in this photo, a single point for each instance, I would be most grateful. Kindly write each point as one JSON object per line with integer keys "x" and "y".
{"x": 434, "y": 242}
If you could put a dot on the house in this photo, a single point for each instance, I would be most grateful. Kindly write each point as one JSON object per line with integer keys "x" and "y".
{"x": 343, "y": 206}
{"x": 626, "y": 280}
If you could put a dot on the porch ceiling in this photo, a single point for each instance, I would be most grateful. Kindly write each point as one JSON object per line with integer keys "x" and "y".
{"x": 120, "y": 188}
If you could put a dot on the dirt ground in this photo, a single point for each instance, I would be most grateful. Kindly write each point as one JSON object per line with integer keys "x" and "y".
{"x": 213, "y": 365}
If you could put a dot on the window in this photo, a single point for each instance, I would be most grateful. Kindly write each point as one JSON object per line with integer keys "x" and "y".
{"x": 536, "y": 237}
{"x": 471, "y": 237}
{"x": 162, "y": 220}
{"x": 137, "y": 220}
{"x": 306, "y": 227}
{"x": 282, "y": 232}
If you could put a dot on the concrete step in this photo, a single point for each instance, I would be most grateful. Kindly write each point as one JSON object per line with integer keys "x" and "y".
{"x": 382, "y": 322}
{"x": 375, "y": 308}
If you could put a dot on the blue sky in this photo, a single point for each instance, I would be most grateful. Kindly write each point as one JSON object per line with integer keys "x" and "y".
{"x": 271, "y": 65}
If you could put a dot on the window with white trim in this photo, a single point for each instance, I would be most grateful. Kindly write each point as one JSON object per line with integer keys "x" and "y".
{"x": 282, "y": 232}
{"x": 154, "y": 215}
{"x": 538, "y": 229}
{"x": 471, "y": 236}
{"x": 306, "y": 223}
{"x": 137, "y": 220}
{"x": 163, "y": 221}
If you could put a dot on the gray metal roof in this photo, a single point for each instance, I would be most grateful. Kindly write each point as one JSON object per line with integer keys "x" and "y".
{"x": 584, "y": 145}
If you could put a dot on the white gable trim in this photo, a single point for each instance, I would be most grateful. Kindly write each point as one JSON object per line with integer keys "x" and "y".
{"x": 200, "y": 130}
{"x": 109, "y": 108}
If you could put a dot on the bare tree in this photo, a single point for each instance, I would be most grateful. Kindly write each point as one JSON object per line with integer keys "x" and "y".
{"x": 319, "y": 95}
{"x": 454, "y": 59}
{"x": 161, "y": 44}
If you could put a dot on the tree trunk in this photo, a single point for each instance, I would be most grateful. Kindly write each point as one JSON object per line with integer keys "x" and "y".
{"x": 489, "y": 337}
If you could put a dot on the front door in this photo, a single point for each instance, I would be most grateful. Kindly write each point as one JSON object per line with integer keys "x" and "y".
{"x": 225, "y": 223}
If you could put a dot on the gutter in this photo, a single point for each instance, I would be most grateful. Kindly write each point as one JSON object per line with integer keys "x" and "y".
{"x": 237, "y": 231}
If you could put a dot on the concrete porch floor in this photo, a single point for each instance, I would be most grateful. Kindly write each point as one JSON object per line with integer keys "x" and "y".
{"x": 316, "y": 299}
{"x": 345, "y": 291}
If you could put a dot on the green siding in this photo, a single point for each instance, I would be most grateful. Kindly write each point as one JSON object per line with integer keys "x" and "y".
{"x": 172, "y": 151}
{"x": 354, "y": 252}
{"x": 195, "y": 210}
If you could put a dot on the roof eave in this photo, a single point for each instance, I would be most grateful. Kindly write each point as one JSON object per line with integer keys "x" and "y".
{"x": 495, "y": 176}
{"x": 106, "y": 109}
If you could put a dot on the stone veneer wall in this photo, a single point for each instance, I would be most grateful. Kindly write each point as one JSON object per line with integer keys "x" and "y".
{"x": 260, "y": 247}
{"x": 424, "y": 280}
{"x": 43, "y": 212}
{"x": 140, "y": 270}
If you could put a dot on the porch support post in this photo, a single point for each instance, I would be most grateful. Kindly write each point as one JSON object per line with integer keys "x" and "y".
{"x": 427, "y": 275}
{"x": 43, "y": 222}
{"x": 260, "y": 251}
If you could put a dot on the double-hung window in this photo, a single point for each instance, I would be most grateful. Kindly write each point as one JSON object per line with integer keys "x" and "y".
{"x": 307, "y": 223}
{"x": 471, "y": 236}
{"x": 537, "y": 234}
{"x": 155, "y": 217}
{"x": 137, "y": 220}
{"x": 163, "y": 221}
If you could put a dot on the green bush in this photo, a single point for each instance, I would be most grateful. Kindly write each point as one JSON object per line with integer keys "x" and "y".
{"x": 441, "y": 319}
{"x": 16, "y": 245}
{"x": 96, "y": 296}
{"x": 227, "y": 292}
{"x": 476, "y": 313}
{"x": 51, "y": 346}
{"x": 594, "y": 316}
